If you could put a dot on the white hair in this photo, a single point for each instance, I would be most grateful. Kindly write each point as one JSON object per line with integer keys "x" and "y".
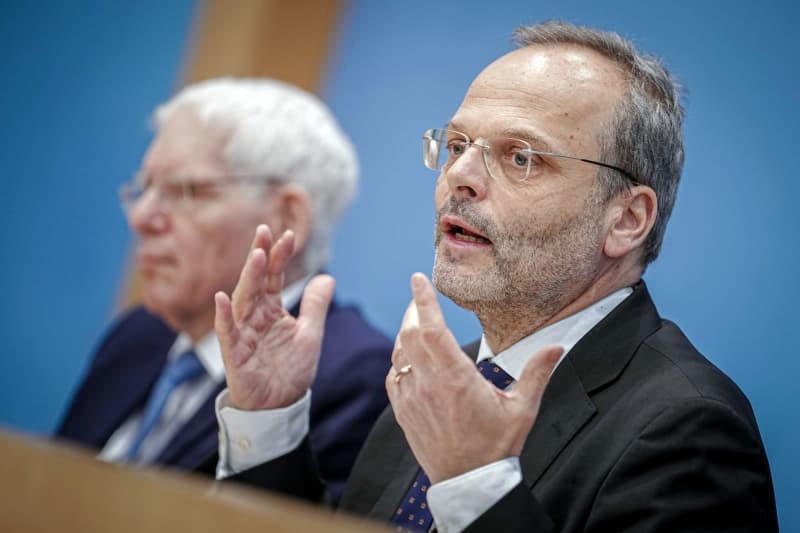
{"x": 282, "y": 132}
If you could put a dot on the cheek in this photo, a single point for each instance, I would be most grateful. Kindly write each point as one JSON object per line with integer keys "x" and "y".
{"x": 186, "y": 281}
{"x": 224, "y": 257}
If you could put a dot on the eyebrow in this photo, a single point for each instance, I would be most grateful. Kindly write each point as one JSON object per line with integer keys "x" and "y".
{"x": 536, "y": 141}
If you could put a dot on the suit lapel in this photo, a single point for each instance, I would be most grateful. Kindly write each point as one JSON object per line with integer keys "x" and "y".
{"x": 400, "y": 472}
{"x": 596, "y": 360}
{"x": 135, "y": 375}
{"x": 197, "y": 439}
{"x": 565, "y": 408}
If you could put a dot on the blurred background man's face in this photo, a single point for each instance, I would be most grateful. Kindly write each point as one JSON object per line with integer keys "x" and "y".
{"x": 190, "y": 248}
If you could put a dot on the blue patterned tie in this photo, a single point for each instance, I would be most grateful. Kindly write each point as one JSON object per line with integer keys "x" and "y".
{"x": 413, "y": 514}
{"x": 187, "y": 366}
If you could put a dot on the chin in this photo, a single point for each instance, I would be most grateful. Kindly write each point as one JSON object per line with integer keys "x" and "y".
{"x": 468, "y": 287}
{"x": 158, "y": 302}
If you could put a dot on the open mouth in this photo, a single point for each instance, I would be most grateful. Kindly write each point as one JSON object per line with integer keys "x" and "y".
{"x": 459, "y": 231}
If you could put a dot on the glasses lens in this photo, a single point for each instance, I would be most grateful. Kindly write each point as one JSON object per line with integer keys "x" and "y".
{"x": 129, "y": 194}
{"x": 509, "y": 158}
{"x": 432, "y": 149}
{"x": 441, "y": 147}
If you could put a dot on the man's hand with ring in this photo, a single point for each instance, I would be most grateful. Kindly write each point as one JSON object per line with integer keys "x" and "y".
{"x": 453, "y": 418}
{"x": 402, "y": 372}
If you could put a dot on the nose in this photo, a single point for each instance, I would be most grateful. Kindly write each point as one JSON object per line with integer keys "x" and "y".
{"x": 467, "y": 178}
{"x": 146, "y": 216}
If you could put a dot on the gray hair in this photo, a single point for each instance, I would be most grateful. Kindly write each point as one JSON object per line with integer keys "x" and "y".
{"x": 645, "y": 136}
{"x": 282, "y": 132}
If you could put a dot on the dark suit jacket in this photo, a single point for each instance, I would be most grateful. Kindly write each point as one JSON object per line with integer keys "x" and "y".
{"x": 636, "y": 432}
{"x": 348, "y": 393}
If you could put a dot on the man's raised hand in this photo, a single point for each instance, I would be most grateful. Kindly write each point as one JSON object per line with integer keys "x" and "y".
{"x": 270, "y": 356}
{"x": 453, "y": 418}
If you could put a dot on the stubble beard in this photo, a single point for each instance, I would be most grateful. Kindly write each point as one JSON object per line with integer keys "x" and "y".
{"x": 534, "y": 271}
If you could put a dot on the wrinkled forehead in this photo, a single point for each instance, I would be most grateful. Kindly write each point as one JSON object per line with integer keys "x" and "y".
{"x": 565, "y": 94}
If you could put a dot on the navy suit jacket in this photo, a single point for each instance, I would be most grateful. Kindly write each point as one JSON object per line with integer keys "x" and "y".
{"x": 348, "y": 393}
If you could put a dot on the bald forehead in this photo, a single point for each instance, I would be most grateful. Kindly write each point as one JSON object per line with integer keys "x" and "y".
{"x": 567, "y": 93}
{"x": 573, "y": 69}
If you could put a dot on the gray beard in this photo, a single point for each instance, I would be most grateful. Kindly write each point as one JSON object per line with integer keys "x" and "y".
{"x": 536, "y": 271}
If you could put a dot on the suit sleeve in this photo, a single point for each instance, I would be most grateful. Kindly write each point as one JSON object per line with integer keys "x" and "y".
{"x": 697, "y": 466}
{"x": 344, "y": 406}
{"x": 294, "y": 474}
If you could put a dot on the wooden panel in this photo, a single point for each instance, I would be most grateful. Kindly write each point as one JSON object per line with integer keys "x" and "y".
{"x": 288, "y": 40}
{"x": 48, "y": 487}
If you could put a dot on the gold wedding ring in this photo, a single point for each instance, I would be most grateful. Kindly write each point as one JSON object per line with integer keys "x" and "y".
{"x": 402, "y": 372}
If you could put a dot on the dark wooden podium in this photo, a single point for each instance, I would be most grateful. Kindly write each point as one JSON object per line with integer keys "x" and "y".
{"x": 47, "y": 486}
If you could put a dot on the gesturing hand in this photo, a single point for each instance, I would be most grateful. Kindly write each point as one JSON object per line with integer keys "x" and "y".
{"x": 270, "y": 356}
{"x": 453, "y": 418}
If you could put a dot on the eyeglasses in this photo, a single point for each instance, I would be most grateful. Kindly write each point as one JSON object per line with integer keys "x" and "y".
{"x": 504, "y": 157}
{"x": 184, "y": 192}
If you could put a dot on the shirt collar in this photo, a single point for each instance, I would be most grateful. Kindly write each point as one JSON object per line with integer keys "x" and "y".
{"x": 566, "y": 332}
{"x": 207, "y": 348}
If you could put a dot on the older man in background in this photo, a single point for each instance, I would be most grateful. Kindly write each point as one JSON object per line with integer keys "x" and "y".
{"x": 228, "y": 155}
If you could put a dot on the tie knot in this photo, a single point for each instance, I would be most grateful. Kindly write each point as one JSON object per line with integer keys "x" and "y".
{"x": 187, "y": 366}
{"x": 495, "y": 374}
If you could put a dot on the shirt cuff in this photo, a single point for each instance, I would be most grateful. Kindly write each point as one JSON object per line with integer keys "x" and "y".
{"x": 457, "y": 502}
{"x": 250, "y": 438}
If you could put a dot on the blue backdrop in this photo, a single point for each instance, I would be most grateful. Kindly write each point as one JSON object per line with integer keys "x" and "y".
{"x": 79, "y": 82}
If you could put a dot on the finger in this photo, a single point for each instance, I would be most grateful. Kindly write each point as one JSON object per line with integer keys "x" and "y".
{"x": 394, "y": 393}
{"x": 427, "y": 305}
{"x": 225, "y": 326}
{"x": 434, "y": 336}
{"x": 399, "y": 358}
{"x": 410, "y": 320}
{"x": 394, "y": 388}
{"x": 411, "y": 316}
{"x": 249, "y": 287}
{"x": 314, "y": 305}
{"x": 536, "y": 374}
{"x": 279, "y": 257}
{"x": 407, "y": 347}
{"x": 390, "y": 382}
{"x": 262, "y": 238}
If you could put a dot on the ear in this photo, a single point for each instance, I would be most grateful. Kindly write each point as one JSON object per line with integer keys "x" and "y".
{"x": 632, "y": 215}
{"x": 292, "y": 209}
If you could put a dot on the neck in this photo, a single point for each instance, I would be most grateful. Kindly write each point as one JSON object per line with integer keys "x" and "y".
{"x": 505, "y": 325}
{"x": 197, "y": 327}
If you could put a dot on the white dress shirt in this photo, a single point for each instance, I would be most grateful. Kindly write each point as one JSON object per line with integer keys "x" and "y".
{"x": 186, "y": 399}
{"x": 248, "y": 438}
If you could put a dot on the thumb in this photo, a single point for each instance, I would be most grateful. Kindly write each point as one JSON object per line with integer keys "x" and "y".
{"x": 316, "y": 300}
{"x": 536, "y": 375}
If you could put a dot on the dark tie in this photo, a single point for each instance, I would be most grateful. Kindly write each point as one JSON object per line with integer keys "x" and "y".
{"x": 413, "y": 514}
{"x": 186, "y": 367}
